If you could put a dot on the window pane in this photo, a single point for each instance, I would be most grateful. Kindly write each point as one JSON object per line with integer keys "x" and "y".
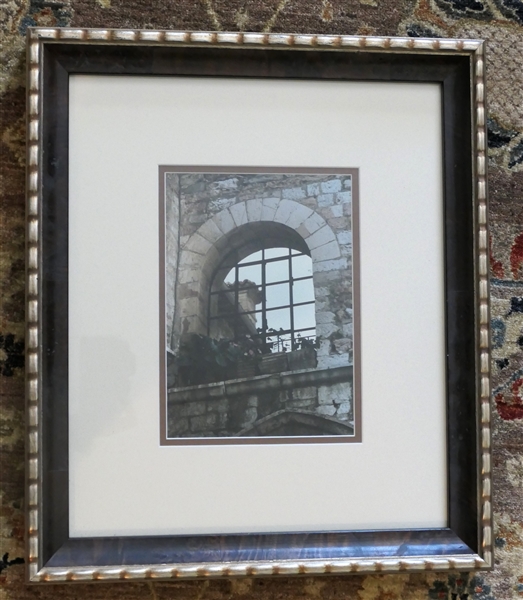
{"x": 251, "y": 273}
{"x": 304, "y": 316}
{"x": 277, "y": 295}
{"x": 276, "y": 252}
{"x": 302, "y": 291}
{"x": 301, "y": 266}
{"x": 251, "y": 257}
{"x": 280, "y": 318}
{"x": 277, "y": 271}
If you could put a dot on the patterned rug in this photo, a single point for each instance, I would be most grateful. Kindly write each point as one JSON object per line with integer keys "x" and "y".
{"x": 500, "y": 22}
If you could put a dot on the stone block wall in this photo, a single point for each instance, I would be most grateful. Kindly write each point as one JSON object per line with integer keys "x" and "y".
{"x": 309, "y": 402}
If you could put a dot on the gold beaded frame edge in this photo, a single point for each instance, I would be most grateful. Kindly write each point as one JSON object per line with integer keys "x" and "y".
{"x": 37, "y": 37}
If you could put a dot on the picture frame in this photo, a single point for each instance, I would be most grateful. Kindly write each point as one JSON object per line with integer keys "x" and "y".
{"x": 64, "y": 548}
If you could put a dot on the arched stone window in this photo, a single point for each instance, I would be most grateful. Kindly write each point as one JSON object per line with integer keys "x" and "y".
{"x": 211, "y": 262}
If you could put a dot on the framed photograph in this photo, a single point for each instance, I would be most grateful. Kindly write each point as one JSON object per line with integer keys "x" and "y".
{"x": 259, "y": 295}
{"x": 258, "y": 313}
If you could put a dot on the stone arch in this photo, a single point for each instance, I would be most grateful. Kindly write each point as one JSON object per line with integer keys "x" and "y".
{"x": 200, "y": 256}
{"x": 296, "y": 423}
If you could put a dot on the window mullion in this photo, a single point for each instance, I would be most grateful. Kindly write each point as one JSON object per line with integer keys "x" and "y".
{"x": 291, "y": 300}
{"x": 236, "y": 316}
{"x": 264, "y": 300}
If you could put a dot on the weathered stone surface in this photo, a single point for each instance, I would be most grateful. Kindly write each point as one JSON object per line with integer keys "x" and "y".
{"x": 227, "y": 184}
{"x": 250, "y": 416}
{"x": 343, "y": 345}
{"x": 269, "y": 208}
{"x": 239, "y": 213}
{"x": 325, "y": 200}
{"x": 210, "y": 231}
{"x": 218, "y": 406}
{"x": 339, "y": 393}
{"x": 252, "y": 401}
{"x": 333, "y": 360}
{"x": 324, "y": 235}
{"x": 178, "y": 426}
{"x": 205, "y": 422}
{"x": 328, "y": 251}
{"x": 310, "y": 225}
{"x": 343, "y": 410}
{"x": 344, "y": 197}
{"x": 192, "y": 409}
{"x": 196, "y": 220}
{"x": 221, "y": 204}
{"x": 328, "y": 410}
{"x": 254, "y": 210}
{"x": 285, "y": 210}
{"x": 192, "y": 259}
{"x": 333, "y": 185}
{"x": 306, "y": 403}
{"x": 348, "y": 329}
{"x": 293, "y": 193}
{"x": 334, "y": 211}
{"x": 324, "y": 330}
{"x": 224, "y": 221}
{"x": 305, "y": 392}
{"x": 323, "y": 317}
{"x": 344, "y": 237}
{"x": 337, "y": 265}
{"x": 297, "y": 217}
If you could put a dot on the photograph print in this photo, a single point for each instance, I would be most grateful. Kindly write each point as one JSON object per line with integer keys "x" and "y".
{"x": 259, "y": 298}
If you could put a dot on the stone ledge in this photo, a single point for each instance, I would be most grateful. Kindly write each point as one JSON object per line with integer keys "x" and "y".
{"x": 261, "y": 383}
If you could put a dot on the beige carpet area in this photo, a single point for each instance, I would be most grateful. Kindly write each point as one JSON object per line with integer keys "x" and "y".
{"x": 500, "y": 22}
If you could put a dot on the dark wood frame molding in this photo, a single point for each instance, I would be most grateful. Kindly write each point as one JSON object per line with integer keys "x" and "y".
{"x": 457, "y": 66}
